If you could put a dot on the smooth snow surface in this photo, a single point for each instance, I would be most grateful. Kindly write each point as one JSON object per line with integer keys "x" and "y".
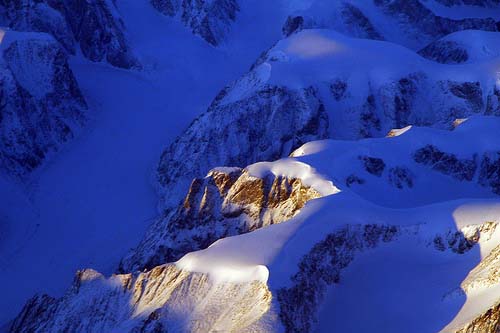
{"x": 293, "y": 169}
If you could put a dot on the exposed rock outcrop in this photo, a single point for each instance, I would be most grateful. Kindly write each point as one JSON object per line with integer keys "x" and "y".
{"x": 445, "y": 52}
{"x": 228, "y": 202}
{"x": 463, "y": 169}
{"x": 264, "y": 126}
{"x": 321, "y": 267}
{"x": 164, "y": 298}
{"x": 211, "y": 20}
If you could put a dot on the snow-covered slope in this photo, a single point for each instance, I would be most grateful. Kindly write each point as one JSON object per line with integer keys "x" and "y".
{"x": 309, "y": 273}
{"x": 412, "y": 23}
{"x": 319, "y": 84}
{"x": 466, "y": 46}
{"x": 228, "y": 201}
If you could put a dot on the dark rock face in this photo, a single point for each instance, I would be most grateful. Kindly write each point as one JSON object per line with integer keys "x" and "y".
{"x": 349, "y": 19}
{"x": 353, "y": 179}
{"x": 373, "y": 165}
{"x": 225, "y": 203}
{"x": 489, "y": 172}
{"x": 211, "y": 20}
{"x": 400, "y": 99}
{"x": 462, "y": 169}
{"x": 322, "y": 267}
{"x": 39, "y": 112}
{"x": 400, "y": 177}
{"x": 470, "y": 92}
{"x": 338, "y": 88}
{"x": 293, "y": 24}
{"x": 100, "y": 32}
{"x": 39, "y": 16}
{"x": 493, "y": 103}
{"x": 94, "y": 25}
{"x": 456, "y": 241}
{"x": 414, "y": 14}
{"x": 167, "y": 7}
{"x": 35, "y": 313}
{"x": 361, "y": 25}
{"x": 267, "y": 125}
{"x": 445, "y": 52}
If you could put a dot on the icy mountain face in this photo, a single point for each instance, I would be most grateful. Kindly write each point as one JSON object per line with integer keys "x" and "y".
{"x": 288, "y": 99}
{"x": 481, "y": 3}
{"x": 416, "y": 24}
{"x": 165, "y": 298}
{"x": 231, "y": 286}
{"x": 463, "y": 47}
{"x": 37, "y": 16}
{"x": 265, "y": 125}
{"x": 93, "y": 25}
{"x": 210, "y": 19}
{"x": 227, "y": 202}
{"x": 41, "y": 104}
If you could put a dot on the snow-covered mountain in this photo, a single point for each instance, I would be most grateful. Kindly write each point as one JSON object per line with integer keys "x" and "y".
{"x": 281, "y": 277}
{"x": 42, "y": 106}
{"x": 95, "y": 26}
{"x": 320, "y": 166}
{"x": 319, "y": 84}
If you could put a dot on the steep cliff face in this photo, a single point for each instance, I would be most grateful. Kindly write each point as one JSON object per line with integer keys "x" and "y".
{"x": 165, "y": 298}
{"x": 488, "y": 322}
{"x": 463, "y": 47}
{"x": 263, "y": 126}
{"x": 227, "y": 202}
{"x": 93, "y": 25}
{"x": 210, "y": 19}
{"x": 42, "y": 107}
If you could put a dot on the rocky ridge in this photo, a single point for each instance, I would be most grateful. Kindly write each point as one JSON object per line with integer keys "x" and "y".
{"x": 211, "y": 20}
{"x": 95, "y": 26}
{"x": 39, "y": 112}
{"x": 227, "y": 202}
